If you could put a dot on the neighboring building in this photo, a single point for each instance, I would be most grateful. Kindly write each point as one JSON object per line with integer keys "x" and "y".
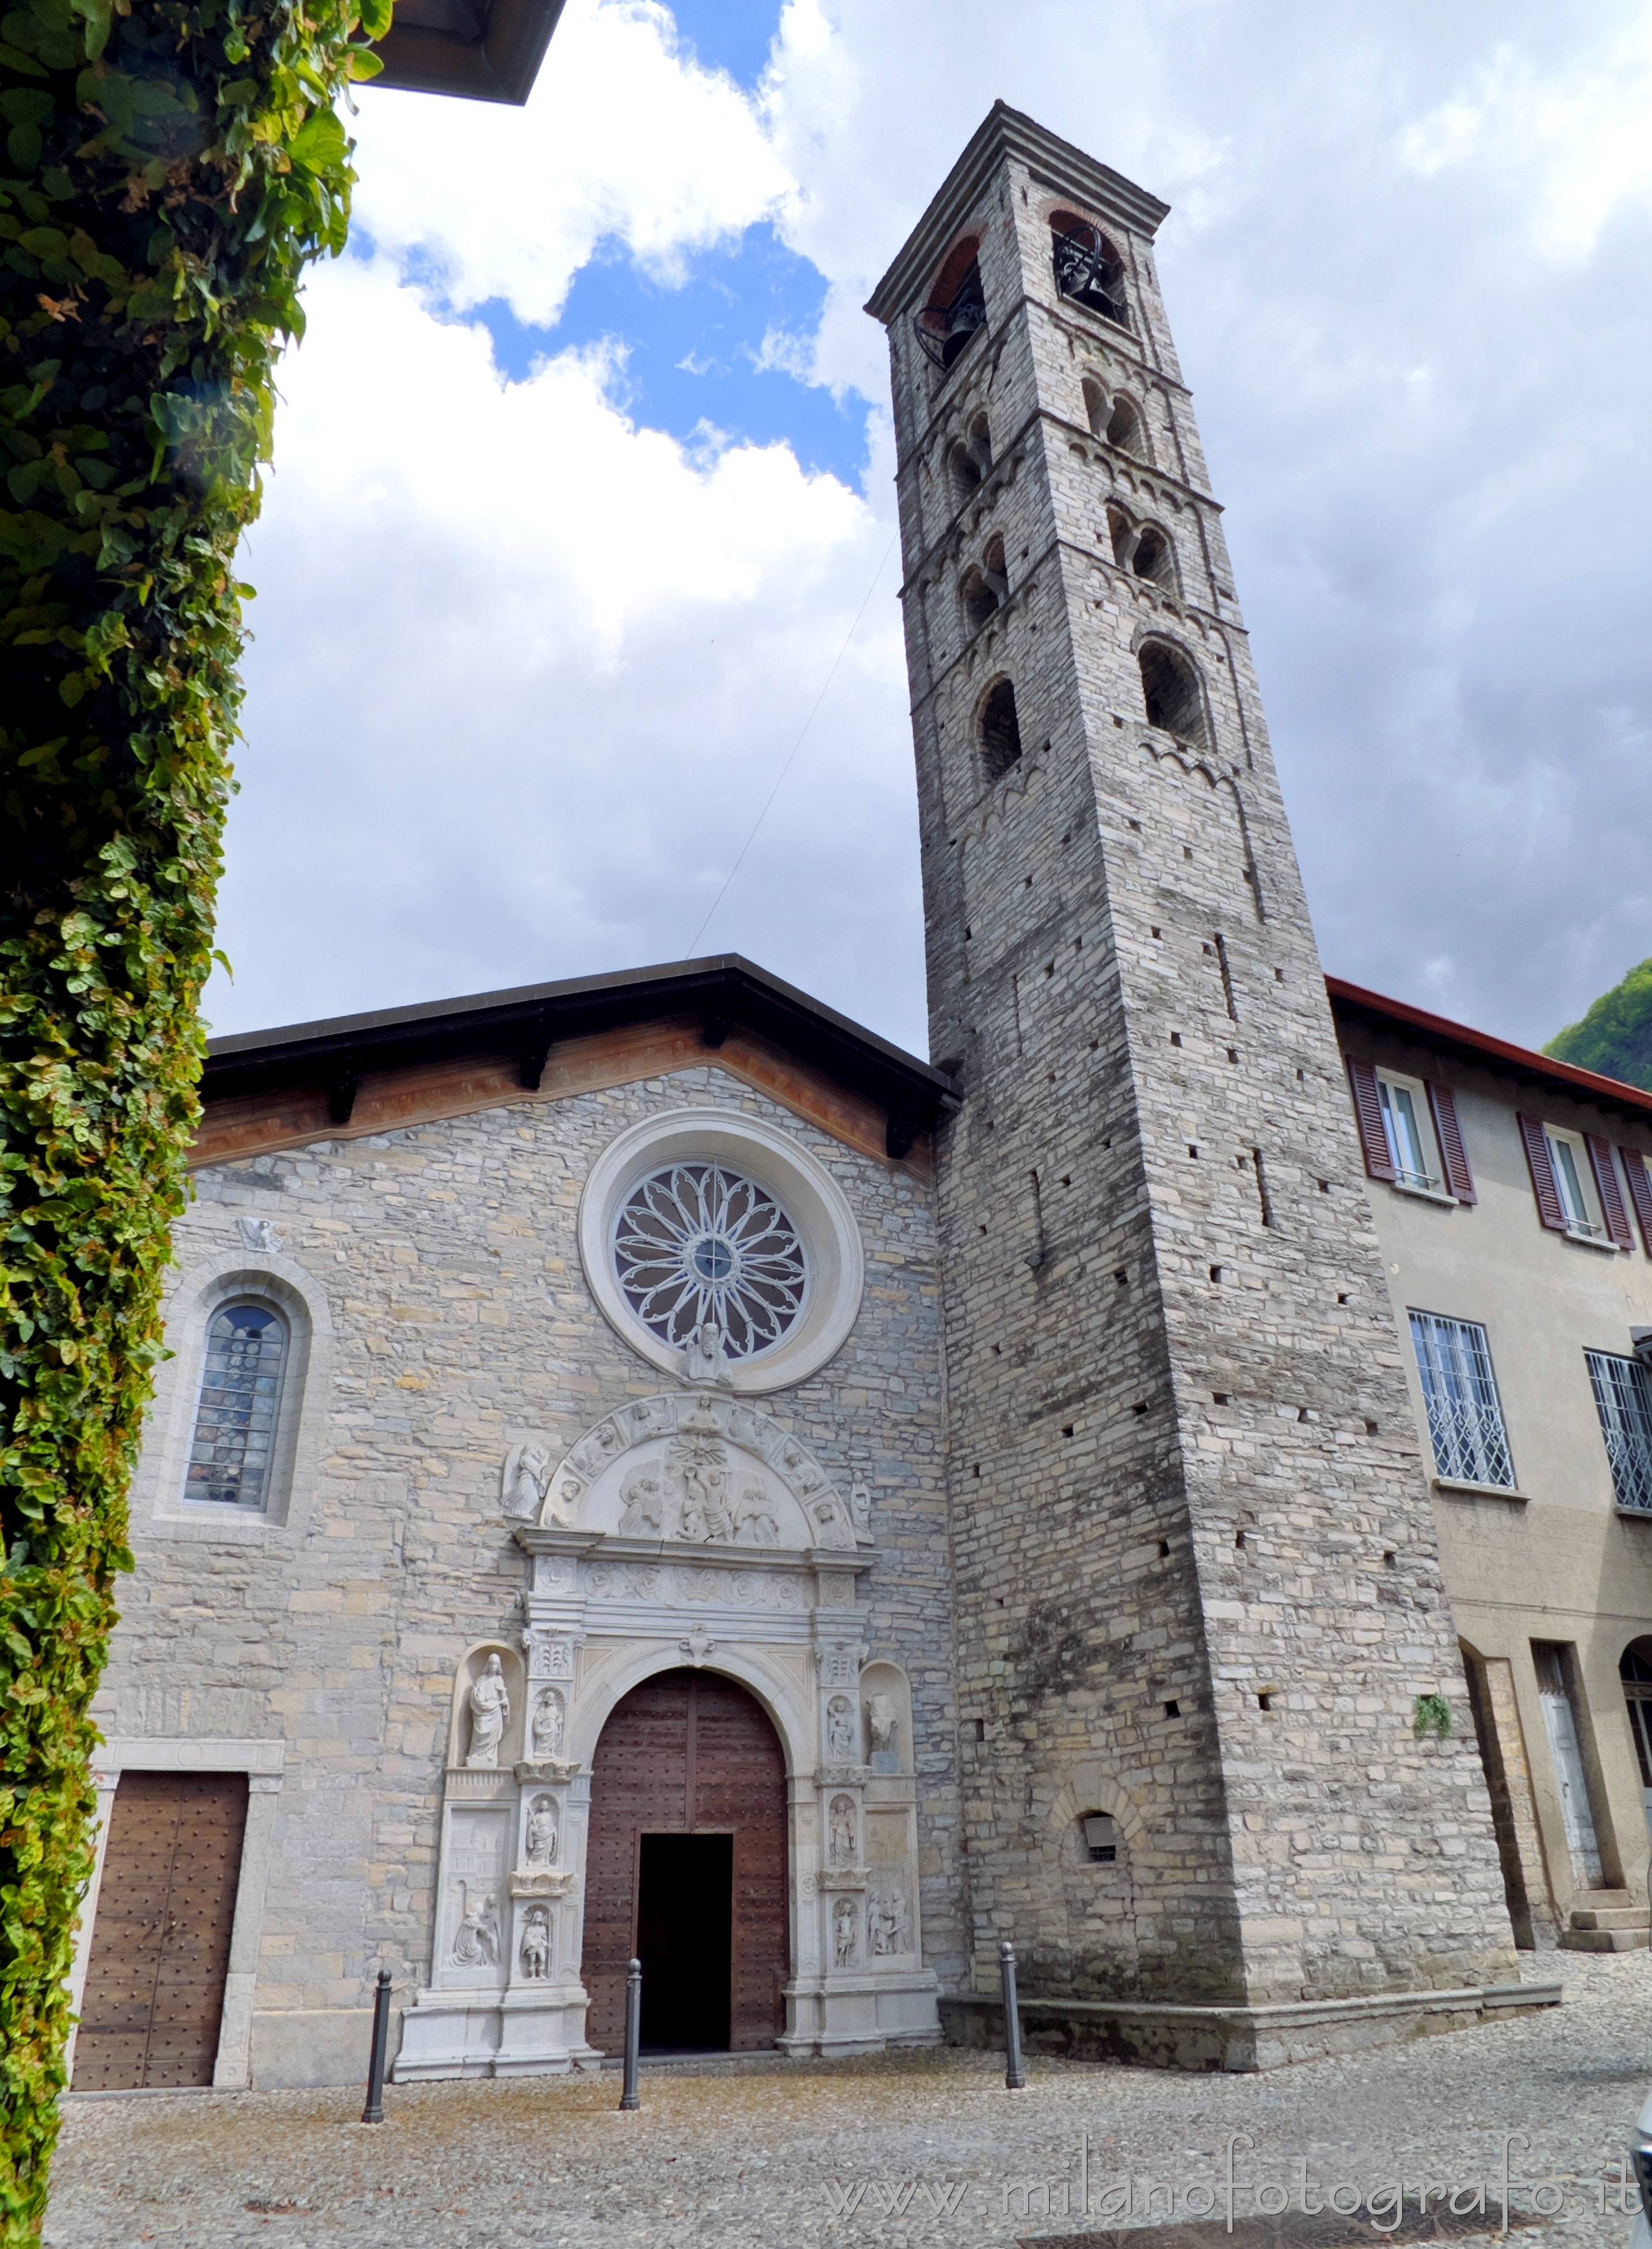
{"x": 1514, "y": 1208}
{"x": 647, "y": 1464}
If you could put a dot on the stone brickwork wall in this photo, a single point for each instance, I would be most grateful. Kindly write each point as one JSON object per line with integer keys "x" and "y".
{"x": 1194, "y": 1553}
{"x": 446, "y": 1257}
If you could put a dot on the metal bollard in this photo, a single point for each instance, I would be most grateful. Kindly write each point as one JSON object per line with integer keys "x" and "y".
{"x": 633, "y": 2032}
{"x": 374, "y": 2113}
{"x": 1015, "y": 2073}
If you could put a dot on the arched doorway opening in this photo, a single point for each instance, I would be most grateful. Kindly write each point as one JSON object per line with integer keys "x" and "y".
{"x": 1635, "y": 1671}
{"x": 686, "y": 1868}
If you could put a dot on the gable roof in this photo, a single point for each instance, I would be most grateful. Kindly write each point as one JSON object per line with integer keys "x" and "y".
{"x": 1353, "y": 1002}
{"x": 722, "y": 995}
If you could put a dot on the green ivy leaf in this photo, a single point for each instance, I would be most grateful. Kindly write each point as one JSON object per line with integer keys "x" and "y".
{"x": 320, "y": 144}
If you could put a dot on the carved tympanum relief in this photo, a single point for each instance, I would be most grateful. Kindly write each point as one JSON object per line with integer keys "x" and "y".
{"x": 697, "y": 1467}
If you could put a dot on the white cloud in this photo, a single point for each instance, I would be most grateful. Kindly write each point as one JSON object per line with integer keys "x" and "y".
{"x": 525, "y": 674}
{"x": 624, "y": 137}
{"x": 527, "y": 669}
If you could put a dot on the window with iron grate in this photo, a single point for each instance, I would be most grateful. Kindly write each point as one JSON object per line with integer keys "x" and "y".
{"x": 1460, "y": 1391}
{"x": 1623, "y": 1400}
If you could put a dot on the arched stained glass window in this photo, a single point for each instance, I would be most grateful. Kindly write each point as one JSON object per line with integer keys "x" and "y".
{"x": 235, "y": 1422}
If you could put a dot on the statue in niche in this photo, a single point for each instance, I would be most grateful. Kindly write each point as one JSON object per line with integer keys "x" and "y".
{"x": 490, "y": 1707}
{"x": 541, "y": 1833}
{"x": 548, "y": 1724}
{"x": 640, "y": 1517}
{"x": 888, "y": 1923}
{"x": 860, "y": 1506}
{"x": 527, "y": 1471}
{"x": 536, "y": 1945}
{"x": 841, "y": 1730}
{"x": 754, "y": 1521}
{"x": 841, "y": 1845}
{"x": 476, "y": 1941}
{"x": 883, "y": 1723}
{"x": 843, "y": 1933}
{"x": 706, "y": 1358}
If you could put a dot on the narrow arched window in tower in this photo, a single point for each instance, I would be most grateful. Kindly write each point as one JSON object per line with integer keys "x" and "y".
{"x": 1000, "y": 732}
{"x": 1125, "y": 429}
{"x": 1171, "y": 689}
{"x": 239, "y": 1406}
{"x": 1088, "y": 269}
{"x": 1097, "y": 407}
{"x": 980, "y": 443}
{"x": 979, "y": 600}
{"x": 1154, "y": 558}
{"x": 956, "y": 309}
{"x": 965, "y": 468}
{"x": 994, "y": 570}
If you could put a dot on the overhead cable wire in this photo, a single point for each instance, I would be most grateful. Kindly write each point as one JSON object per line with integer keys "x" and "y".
{"x": 796, "y": 745}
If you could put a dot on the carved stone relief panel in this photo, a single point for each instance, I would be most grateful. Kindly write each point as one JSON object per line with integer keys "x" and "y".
{"x": 476, "y": 1863}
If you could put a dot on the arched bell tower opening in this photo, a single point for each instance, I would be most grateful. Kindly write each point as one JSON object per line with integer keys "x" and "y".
{"x": 687, "y": 1867}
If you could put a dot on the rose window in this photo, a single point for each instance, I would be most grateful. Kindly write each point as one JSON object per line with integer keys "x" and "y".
{"x": 697, "y": 1242}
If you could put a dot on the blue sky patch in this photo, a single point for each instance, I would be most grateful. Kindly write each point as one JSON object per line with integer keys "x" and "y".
{"x": 695, "y": 350}
{"x": 730, "y": 35}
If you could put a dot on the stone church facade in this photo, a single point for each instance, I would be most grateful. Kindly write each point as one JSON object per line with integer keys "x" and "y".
{"x": 646, "y": 1466}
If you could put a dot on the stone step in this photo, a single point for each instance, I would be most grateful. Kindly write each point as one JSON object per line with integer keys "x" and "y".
{"x": 1602, "y": 1940}
{"x": 1611, "y": 1917}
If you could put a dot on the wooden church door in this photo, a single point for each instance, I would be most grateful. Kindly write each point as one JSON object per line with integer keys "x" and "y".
{"x": 686, "y": 1866}
{"x": 153, "y": 2001}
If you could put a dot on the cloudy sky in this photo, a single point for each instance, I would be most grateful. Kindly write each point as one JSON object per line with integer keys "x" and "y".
{"x": 581, "y": 520}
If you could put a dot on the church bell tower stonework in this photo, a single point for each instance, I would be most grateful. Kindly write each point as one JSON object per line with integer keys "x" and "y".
{"x": 1198, "y": 1589}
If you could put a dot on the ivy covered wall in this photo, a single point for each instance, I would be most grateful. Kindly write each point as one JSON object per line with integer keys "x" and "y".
{"x": 169, "y": 168}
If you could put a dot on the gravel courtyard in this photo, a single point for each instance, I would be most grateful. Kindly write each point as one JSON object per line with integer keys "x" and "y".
{"x": 918, "y": 2147}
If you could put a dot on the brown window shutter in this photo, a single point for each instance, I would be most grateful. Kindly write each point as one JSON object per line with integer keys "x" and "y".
{"x": 1640, "y": 1192}
{"x": 1606, "y": 1186}
{"x": 1537, "y": 1155}
{"x": 1448, "y": 1132}
{"x": 1368, "y": 1109}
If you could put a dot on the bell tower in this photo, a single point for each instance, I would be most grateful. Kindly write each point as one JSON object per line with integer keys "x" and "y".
{"x": 1198, "y": 1591}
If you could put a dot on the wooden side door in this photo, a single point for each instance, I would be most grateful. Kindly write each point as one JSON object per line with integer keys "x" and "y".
{"x": 154, "y": 2000}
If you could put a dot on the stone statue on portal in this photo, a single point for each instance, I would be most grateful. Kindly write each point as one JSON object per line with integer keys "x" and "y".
{"x": 536, "y": 1945}
{"x": 490, "y": 1707}
{"x": 541, "y": 1833}
{"x": 706, "y": 1358}
{"x": 548, "y": 1724}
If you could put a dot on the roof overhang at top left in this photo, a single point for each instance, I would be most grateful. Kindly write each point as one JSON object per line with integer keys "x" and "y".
{"x": 477, "y": 50}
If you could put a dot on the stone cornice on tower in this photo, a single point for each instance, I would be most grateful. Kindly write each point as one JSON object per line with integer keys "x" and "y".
{"x": 1057, "y": 163}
